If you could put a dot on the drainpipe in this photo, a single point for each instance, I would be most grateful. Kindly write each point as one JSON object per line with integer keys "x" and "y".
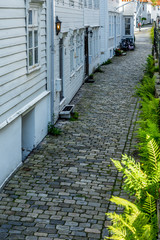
{"x": 52, "y": 60}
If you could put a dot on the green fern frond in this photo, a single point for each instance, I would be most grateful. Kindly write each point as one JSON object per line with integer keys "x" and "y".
{"x": 149, "y": 205}
{"x": 135, "y": 180}
{"x": 154, "y": 154}
{"x": 133, "y": 223}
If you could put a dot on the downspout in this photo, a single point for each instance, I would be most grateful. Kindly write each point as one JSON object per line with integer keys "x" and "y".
{"x": 52, "y": 60}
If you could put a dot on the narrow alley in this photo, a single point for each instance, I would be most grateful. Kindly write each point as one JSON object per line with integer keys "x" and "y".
{"x": 62, "y": 191}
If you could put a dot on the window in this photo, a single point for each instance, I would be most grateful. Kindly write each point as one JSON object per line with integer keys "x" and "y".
{"x": 33, "y": 38}
{"x": 110, "y": 26}
{"x": 80, "y": 4}
{"x": 127, "y": 26}
{"x": 85, "y": 3}
{"x": 81, "y": 48}
{"x": 118, "y": 25}
{"x": 60, "y": 1}
{"x": 72, "y": 54}
{"x": 77, "y": 50}
{"x": 71, "y": 3}
{"x": 90, "y": 4}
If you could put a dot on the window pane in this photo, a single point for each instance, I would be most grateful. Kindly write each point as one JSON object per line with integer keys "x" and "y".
{"x": 30, "y": 40}
{"x": 30, "y": 17}
{"x": 36, "y": 55}
{"x": 35, "y": 17}
{"x": 30, "y": 57}
{"x": 36, "y": 38}
{"x": 127, "y": 20}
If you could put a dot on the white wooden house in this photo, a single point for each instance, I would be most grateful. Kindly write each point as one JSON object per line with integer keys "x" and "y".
{"x": 114, "y": 26}
{"x": 24, "y": 88}
{"x": 128, "y": 10}
{"x": 76, "y": 48}
{"x": 104, "y": 31}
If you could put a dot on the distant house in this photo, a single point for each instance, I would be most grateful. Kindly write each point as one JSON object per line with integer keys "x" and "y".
{"x": 128, "y": 10}
{"x": 114, "y": 26}
{"x": 104, "y": 26}
{"x": 76, "y": 48}
{"x": 146, "y": 12}
{"x": 24, "y": 87}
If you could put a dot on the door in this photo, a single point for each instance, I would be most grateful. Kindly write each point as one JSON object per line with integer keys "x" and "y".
{"x": 86, "y": 53}
{"x": 61, "y": 67}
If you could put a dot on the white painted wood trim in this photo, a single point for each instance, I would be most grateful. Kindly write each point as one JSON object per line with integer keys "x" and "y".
{"x": 23, "y": 109}
{"x": 10, "y": 175}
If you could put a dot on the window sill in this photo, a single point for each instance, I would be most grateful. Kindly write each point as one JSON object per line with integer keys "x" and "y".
{"x": 111, "y": 38}
{"x": 33, "y": 69}
{"x": 72, "y": 74}
{"x": 79, "y": 68}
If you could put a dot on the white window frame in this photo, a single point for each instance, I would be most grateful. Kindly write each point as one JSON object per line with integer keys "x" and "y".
{"x": 110, "y": 26}
{"x": 118, "y": 26}
{"x": 81, "y": 48}
{"x": 127, "y": 24}
{"x": 80, "y": 5}
{"x": 71, "y": 3}
{"x": 77, "y": 50}
{"x": 33, "y": 27}
{"x": 90, "y": 4}
{"x": 72, "y": 54}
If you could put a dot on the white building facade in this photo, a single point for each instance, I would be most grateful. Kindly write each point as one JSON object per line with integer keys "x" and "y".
{"x": 114, "y": 26}
{"x": 24, "y": 91}
{"x": 76, "y": 48}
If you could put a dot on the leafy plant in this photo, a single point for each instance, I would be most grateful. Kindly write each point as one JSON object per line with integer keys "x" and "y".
{"x": 149, "y": 67}
{"x": 135, "y": 223}
{"x": 156, "y": 68}
{"x": 140, "y": 179}
{"x": 146, "y": 88}
{"x": 74, "y": 116}
{"x": 99, "y": 70}
{"x": 53, "y": 130}
{"x": 91, "y": 76}
{"x": 109, "y": 61}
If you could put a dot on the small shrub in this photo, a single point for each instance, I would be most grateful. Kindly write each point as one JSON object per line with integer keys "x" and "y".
{"x": 156, "y": 69}
{"x": 74, "y": 116}
{"x": 53, "y": 130}
{"x": 149, "y": 67}
{"x": 99, "y": 70}
{"x": 91, "y": 76}
{"x": 109, "y": 61}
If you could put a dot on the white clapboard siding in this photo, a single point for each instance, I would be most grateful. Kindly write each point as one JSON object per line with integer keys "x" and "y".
{"x": 8, "y": 87}
{"x": 17, "y": 87}
{"x": 8, "y": 43}
{"x": 21, "y": 104}
{"x": 21, "y": 89}
{"x": 7, "y": 60}
{"x": 18, "y": 99}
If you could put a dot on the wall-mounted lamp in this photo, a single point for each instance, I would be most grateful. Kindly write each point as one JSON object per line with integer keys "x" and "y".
{"x": 91, "y": 33}
{"x": 58, "y": 25}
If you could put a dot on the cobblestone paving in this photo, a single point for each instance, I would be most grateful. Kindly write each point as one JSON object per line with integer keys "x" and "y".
{"x": 62, "y": 190}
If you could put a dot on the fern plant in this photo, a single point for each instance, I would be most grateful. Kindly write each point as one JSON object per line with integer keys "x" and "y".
{"x": 149, "y": 67}
{"x": 147, "y": 128}
{"x": 139, "y": 179}
{"x": 146, "y": 88}
{"x": 150, "y": 109}
{"x": 135, "y": 223}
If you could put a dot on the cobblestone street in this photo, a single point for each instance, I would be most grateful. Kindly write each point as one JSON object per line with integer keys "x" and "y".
{"x": 63, "y": 189}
